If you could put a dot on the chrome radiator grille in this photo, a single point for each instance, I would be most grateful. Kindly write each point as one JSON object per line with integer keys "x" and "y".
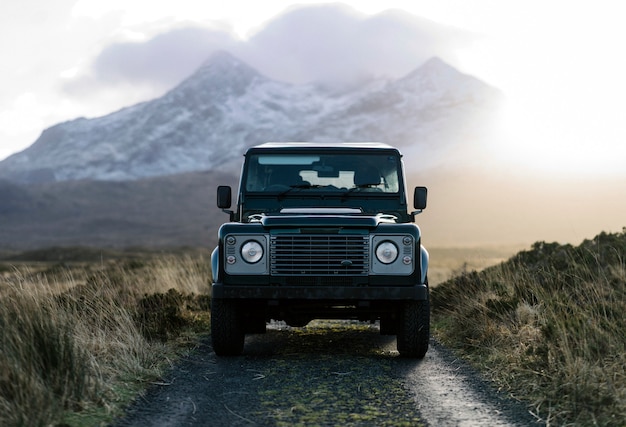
{"x": 319, "y": 255}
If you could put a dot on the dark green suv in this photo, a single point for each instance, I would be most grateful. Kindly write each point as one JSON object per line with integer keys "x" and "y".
{"x": 320, "y": 231}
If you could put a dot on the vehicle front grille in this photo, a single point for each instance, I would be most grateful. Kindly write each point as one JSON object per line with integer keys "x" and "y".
{"x": 319, "y": 255}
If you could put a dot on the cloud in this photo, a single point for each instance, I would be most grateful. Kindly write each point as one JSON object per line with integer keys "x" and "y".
{"x": 131, "y": 72}
{"x": 164, "y": 60}
{"x": 334, "y": 42}
{"x": 330, "y": 43}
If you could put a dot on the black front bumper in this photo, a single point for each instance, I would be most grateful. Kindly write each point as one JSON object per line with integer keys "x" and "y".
{"x": 340, "y": 293}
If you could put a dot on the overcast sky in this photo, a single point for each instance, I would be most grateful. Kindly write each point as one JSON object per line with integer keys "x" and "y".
{"x": 560, "y": 63}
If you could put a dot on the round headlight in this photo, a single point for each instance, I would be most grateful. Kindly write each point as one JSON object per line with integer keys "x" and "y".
{"x": 252, "y": 252}
{"x": 386, "y": 252}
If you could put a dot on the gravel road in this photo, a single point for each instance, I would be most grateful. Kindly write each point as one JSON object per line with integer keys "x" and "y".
{"x": 329, "y": 373}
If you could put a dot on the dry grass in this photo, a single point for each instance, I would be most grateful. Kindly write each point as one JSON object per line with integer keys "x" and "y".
{"x": 547, "y": 325}
{"x": 76, "y": 338}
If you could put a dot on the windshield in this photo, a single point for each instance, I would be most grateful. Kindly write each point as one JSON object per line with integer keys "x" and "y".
{"x": 375, "y": 173}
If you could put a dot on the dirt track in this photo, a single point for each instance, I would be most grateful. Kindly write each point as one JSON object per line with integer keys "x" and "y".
{"x": 330, "y": 373}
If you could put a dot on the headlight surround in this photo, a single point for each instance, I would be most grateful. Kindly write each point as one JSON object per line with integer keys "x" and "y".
{"x": 387, "y": 252}
{"x": 252, "y": 251}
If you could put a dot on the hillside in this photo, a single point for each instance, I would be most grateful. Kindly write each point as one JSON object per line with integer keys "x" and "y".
{"x": 548, "y": 326}
{"x": 157, "y": 212}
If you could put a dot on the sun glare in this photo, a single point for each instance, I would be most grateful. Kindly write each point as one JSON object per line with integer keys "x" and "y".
{"x": 536, "y": 139}
{"x": 563, "y": 80}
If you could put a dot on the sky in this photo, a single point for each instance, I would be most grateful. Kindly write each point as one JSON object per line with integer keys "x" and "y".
{"x": 559, "y": 63}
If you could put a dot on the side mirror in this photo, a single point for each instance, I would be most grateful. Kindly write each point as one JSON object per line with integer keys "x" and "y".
{"x": 419, "y": 201}
{"x": 224, "y": 197}
{"x": 419, "y": 198}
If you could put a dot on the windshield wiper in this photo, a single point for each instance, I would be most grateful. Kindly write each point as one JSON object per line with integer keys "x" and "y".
{"x": 353, "y": 189}
{"x": 282, "y": 194}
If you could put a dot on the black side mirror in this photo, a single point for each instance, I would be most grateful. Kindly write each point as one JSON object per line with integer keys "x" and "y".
{"x": 224, "y": 197}
{"x": 419, "y": 198}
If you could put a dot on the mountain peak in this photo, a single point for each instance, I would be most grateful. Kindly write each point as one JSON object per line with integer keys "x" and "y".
{"x": 220, "y": 70}
{"x": 222, "y": 62}
{"x": 435, "y": 75}
{"x": 222, "y": 58}
{"x": 435, "y": 66}
{"x": 435, "y": 62}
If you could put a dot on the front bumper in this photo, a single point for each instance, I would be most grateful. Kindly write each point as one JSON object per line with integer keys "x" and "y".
{"x": 339, "y": 293}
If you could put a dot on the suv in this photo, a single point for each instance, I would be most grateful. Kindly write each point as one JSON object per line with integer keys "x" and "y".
{"x": 320, "y": 231}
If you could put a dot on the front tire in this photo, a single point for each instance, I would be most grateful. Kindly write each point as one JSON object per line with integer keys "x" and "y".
{"x": 227, "y": 333}
{"x": 414, "y": 329}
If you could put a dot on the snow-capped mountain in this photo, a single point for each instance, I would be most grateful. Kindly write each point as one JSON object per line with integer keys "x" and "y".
{"x": 209, "y": 120}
